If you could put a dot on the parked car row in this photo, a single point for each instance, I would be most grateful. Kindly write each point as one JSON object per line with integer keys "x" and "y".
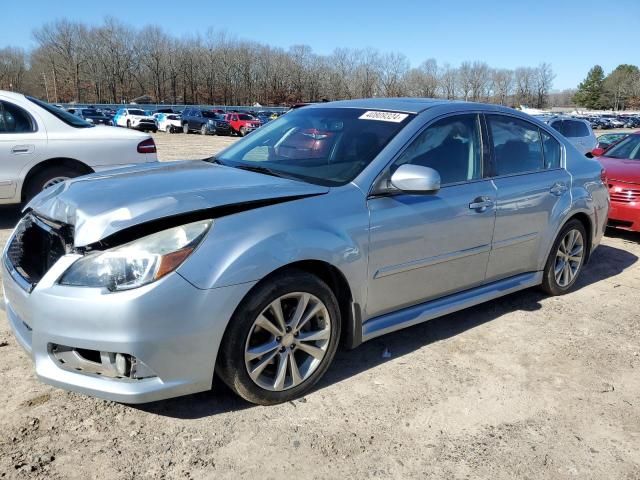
{"x": 605, "y": 122}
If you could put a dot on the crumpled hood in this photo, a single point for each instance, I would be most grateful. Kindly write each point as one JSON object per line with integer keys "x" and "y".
{"x": 102, "y": 204}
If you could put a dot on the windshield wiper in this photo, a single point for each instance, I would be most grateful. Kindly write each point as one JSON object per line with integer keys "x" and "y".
{"x": 260, "y": 169}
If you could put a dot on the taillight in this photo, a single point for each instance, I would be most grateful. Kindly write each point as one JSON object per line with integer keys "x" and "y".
{"x": 603, "y": 175}
{"x": 147, "y": 146}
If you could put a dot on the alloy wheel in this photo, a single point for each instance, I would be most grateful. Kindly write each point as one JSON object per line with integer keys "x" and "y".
{"x": 287, "y": 341}
{"x": 54, "y": 181}
{"x": 569, "y": 258}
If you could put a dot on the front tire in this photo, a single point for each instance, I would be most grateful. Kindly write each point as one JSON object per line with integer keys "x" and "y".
{"x": 49, "y": 177}
{"x": 281, "y": 339}
{"x": 203, "y": 129}
{"x": 566, "y": 259}
{"x": 185, "y": 128}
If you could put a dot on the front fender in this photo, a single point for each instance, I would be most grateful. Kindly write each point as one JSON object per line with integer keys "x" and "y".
{"x": 248, "y": 246}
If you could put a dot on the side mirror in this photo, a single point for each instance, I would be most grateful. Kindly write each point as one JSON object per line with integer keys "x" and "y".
{"x": 416, "y": 179}
{"x": 597, "y": 152}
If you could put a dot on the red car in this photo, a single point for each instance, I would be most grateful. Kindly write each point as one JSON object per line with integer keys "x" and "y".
{"x": 622, "y": 165}
{"x": 242, "y": 123}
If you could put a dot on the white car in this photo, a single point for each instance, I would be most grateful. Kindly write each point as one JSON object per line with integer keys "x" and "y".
{"x": 135, "y": 118}
{"x": 168, "y": 122}
{"x": 41, "y": 145}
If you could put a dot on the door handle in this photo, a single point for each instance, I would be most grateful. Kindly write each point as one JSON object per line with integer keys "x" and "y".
{"x": 558, "y": 189}
{"x": 480, "y": 204}
{"x": 21, "y": 149}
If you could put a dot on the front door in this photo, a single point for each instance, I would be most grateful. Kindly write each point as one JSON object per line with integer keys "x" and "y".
{"x": 22, "y": 143}
{"x": 426, "y": 246}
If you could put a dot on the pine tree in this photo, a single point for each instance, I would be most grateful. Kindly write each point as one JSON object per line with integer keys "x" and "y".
{"x": 590, "y": 92}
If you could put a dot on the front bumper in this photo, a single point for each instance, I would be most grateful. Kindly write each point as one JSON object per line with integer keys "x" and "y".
{"x": 174, "y": 328}
{"x": 625, "y": 217}
{"x": 624, "y": 212}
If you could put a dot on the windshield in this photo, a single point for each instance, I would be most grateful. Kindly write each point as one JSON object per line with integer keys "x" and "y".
{"x": 66, "y": 117}
{"x": 244, "y": 116}
{"x": 209, "y": 114}
{"x": 134, "y": 111}
{"x": 91, "y": 112}
{"x": 326, "y": 146}
{"x": 629, "y": 148}
{"x": 173, "y": 117}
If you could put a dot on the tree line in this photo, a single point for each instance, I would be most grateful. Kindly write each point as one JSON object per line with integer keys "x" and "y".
{"x": 116, "y": 63}
{"x": 619, "y": 90}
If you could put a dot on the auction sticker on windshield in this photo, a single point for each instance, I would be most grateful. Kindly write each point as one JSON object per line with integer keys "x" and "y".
{"x": 384, "y": 116}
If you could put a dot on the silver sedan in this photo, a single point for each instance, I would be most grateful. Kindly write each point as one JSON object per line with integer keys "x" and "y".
{"x": 337, "y": 223}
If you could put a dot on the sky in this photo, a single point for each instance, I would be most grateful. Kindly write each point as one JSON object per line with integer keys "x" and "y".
{"x": 571, "y": 35}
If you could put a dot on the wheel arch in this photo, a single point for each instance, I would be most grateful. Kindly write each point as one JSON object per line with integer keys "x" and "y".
{"x": 587, "y": 223}
{"x": 336, "y": 280}
{"x": 52, "y": 163}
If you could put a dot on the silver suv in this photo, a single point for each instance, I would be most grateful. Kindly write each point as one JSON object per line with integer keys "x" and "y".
{"x": 338, "y": 221}
{"x": 576, "y": 130}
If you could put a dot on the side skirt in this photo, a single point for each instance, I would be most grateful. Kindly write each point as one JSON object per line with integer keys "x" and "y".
{"x": 407, "y": 317}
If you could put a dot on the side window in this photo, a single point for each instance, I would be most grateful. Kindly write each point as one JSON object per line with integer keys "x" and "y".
{"x": 516, "y": 144}
{"x": 15, "y": 119}
{"x": 552, "y": 151}
{"x": 451, "y": 146}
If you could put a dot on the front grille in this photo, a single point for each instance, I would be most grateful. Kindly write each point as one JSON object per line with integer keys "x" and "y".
{"x": 37, "y": 245}
{"x": 620, "y": 194}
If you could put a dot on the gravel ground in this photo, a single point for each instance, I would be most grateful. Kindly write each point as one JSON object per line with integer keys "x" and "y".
{"x": 522, "y": 387}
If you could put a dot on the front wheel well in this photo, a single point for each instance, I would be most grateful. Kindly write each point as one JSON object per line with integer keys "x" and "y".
{"x": 349, "y": 311}
{"x": 82, "y": 168}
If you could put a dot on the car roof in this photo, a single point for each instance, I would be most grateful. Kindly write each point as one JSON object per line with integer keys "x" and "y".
{"x": 12, "y": 95}
{"x": 411, "y": 105}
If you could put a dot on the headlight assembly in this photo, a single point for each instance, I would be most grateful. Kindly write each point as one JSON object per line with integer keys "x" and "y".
{"x": 139, "y": 262}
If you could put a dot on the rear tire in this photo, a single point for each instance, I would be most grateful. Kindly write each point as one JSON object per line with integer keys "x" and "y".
{"x": 286, "y": 368}
{"x": 128, "y": 123}
{"x": 185, "y": 128}
{"x": 566, "y": 259}
{"x": 203, "y": 129}
{"x": 49, "y": 177}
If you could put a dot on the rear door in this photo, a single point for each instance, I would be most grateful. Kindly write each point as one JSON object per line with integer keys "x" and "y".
{"x": 532, "y": 189}
{"x": 426, "y": 246}
{"x": 22, "y": 144}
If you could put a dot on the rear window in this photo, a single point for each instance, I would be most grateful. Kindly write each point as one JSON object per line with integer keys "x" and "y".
{"x": 573, "y": 129}
{"x": 66, "y": 117}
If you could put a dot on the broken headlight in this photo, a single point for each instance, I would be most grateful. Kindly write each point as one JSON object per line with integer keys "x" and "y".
{"x": 139, "y": 262}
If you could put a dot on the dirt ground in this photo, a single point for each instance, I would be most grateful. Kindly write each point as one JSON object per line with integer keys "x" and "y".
{"x": 524, "y": 387}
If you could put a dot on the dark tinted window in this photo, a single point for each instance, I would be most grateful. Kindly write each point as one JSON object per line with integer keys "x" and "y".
{"x": 134, "y": 111}
{"x": 91, "y": 112}
{"x": 557, "y": 125}
{"x": 552, "y": 151}
{"x": 628, "y": 148}
{"x": 14, "y": 119}
{"x": 245, "y": 117}
{"x": 327, "y": 146}
{"x": 451, "y": 146}
{"x": 66, "y": 117}
{"x": 209, "y": 114}
{"x": 573, "y": 129}
{"x": 516, "y": 145}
